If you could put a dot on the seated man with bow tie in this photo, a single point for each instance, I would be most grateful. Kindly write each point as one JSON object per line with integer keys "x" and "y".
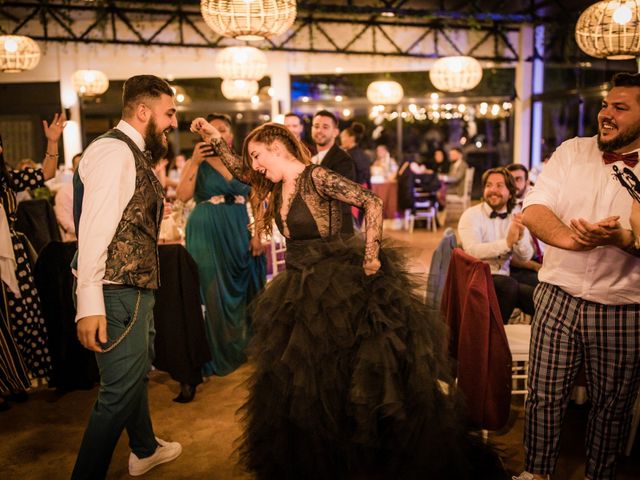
{"x": 491, "y": 232}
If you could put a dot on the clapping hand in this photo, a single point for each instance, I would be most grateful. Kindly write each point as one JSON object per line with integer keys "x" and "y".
{"x": 53, "y": 131}
{"x": 203, "y": 128}
{"x": 516, "y": 230}
{"x": 607, "y": 231}
{"x": 634, "y": 220}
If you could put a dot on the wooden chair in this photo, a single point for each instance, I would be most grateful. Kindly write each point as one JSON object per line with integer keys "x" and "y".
{"x": 456, "y": 204}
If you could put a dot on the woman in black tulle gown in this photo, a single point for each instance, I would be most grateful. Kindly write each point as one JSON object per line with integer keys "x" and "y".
{"x": 351, "y": 379}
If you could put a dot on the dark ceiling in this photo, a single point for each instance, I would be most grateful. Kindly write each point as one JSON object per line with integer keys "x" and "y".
{"x": 118, "y": 22}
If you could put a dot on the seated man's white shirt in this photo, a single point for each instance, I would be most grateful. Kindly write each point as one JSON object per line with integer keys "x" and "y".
{"x": 485, "y": 238}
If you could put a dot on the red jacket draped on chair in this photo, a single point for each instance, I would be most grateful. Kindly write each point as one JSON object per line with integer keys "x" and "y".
{"x": 478, "y": 341}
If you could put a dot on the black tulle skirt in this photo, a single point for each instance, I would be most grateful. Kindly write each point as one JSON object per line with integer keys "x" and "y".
{"x": 351, "y": 377}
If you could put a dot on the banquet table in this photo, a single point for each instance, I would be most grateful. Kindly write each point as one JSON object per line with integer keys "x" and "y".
{"x": 388, "y": 193}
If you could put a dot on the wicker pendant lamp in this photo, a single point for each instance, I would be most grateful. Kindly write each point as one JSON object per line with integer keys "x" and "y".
{"x": 455, "y": 74}
{"x": 385, "y": 92}
{"x": 18, "y": 53}
{"x": 89, "y": 83}
{"x": 610, "y": 29}
{"x": 250, "y": 20}
{"x": 241, "y": 63}
{"x": 239, "y": 89}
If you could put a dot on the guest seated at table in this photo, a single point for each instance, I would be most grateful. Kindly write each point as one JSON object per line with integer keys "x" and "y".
{"x": 454, "y": 178}
{"x": 438, "y": 162}
{"x": 492, "y": 232}
{"x": 525, "y": 270}
{"x": 63, "y": 206}
{"x": 384, "y": 168}
{"x": 230, "y": 261}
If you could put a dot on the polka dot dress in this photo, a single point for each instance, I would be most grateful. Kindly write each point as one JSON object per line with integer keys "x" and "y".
{"x": 25, "y": 317}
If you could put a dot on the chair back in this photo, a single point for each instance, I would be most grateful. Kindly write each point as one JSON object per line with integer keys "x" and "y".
{"x": 278, "y": 246}
{"x": 468, "y": 187}
{"x": 37, "y": 220}
{"x": 439, "y": 267}
{"x": 478, "y": 341}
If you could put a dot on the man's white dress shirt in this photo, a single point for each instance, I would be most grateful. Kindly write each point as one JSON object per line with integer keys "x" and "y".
{"x": 485, "y": 238}
{"x": 108, "y": 171}
{"x": 319, "y": 157}
{"x": 575, "y": 183}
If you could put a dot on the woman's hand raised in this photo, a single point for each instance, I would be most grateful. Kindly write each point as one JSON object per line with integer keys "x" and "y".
{"x": 204, "y": 129}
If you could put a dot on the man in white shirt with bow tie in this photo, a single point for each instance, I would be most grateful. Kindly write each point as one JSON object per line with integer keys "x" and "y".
{"x": 588, "y": 301}
{"x": 491, "y": 232}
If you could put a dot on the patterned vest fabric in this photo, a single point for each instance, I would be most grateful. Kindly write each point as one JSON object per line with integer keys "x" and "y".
{"x": 132, "y": 255}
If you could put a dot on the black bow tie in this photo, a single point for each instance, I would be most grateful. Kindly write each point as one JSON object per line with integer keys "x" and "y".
{"x": 495, "y": 214}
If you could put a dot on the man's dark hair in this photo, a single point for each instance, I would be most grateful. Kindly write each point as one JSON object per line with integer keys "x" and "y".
{"x": 328, "y": 114}
{"x": 223, "y": 117}
{"x": 457, "y": 149}
{"x": 137, "y": 88}
{"x": 625, "y": 79}
{"x": 514, "y": 167}
{"x": 291, "y": 114}
{"x": 508, "y": 181}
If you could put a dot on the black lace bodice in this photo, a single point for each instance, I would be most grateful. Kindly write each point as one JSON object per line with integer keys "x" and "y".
{"x": 314, "y": 208}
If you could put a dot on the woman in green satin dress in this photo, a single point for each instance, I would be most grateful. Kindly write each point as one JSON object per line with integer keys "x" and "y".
{"x": 231, "y": 264}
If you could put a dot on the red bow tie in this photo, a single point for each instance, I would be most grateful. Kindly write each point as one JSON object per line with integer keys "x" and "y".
{"x": 630, "y": 159}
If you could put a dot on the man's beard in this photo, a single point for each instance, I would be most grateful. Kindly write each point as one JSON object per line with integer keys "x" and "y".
{"x": 497, "y": 207}
{"x": 153, "y": 141}
{"x": 622, "y": 140}
{"x": 321, "y": 143}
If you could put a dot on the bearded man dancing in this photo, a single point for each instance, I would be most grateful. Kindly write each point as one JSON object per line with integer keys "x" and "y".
{"x": 118, "y": 204}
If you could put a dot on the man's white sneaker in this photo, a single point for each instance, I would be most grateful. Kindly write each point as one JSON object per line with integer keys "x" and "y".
{"x": 527, "y": 476}
{"x": 523, "y": 476}
{"x": 165, "y": 452}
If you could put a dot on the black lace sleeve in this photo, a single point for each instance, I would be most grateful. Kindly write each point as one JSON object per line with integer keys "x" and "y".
{"x": 26, "y": 178}
{"x": 232, "y": 161}
{"x": 332, "y": 185}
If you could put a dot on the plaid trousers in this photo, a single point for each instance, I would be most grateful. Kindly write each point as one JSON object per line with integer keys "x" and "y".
{"x": 566, "y": 333}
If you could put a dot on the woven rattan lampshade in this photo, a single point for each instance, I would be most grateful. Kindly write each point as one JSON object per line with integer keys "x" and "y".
{"x": 610, "y": 29}
{"x": 241, "y": 63}
{"x": 239, "y": 89}
{"x": 250, "y": 20}
{"x": 455, "y": 74}
{"x": 89, "y": 83}
{"x": 18, "y": 53}
{"x": 385, "y": 92}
